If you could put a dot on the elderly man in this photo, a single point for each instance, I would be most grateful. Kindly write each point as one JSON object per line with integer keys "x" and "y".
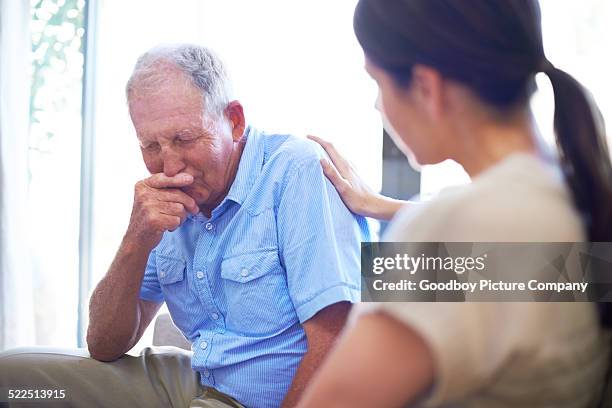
{"x": 241, "y": 235}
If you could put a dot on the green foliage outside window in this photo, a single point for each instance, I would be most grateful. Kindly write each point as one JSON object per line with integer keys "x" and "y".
{"x": 57, "y": 70}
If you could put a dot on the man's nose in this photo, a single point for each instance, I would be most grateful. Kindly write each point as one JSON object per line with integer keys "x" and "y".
{"x": 173, "y": 162}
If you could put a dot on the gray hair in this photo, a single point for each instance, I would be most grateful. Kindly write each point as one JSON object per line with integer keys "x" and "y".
{"x": 200, "y": 64}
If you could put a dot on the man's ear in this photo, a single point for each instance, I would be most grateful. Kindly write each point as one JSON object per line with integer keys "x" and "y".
{"x": 235, "y": 114}
{"x": 428, "y": 87}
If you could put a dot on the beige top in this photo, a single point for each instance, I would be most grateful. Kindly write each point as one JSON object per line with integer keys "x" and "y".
{"x": 504, "y": 354}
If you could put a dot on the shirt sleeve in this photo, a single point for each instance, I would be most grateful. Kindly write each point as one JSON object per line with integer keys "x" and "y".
{"x": 319, "y": 241}
{"x": 150, "y": 289}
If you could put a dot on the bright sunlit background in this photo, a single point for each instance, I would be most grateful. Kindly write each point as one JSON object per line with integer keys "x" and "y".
{"x": 297, "y": 68}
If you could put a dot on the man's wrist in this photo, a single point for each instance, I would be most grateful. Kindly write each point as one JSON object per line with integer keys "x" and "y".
{"x": 138, "y": 241}
{"x": 134, "y": 247}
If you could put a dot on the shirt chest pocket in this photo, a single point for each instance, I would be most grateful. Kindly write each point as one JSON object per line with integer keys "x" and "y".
{"x": 170, "y": 270}
{"x": 256, "y": 293}
{"x": 247, "y": 267}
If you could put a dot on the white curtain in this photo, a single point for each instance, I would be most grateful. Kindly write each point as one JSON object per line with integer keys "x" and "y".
{"x": 16, "y": 297}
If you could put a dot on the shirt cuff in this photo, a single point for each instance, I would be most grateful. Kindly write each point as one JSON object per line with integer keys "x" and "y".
{"x": 329, "y": 296}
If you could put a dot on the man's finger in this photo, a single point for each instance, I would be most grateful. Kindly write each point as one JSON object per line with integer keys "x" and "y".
{"x": 160, "y": 180}
{"x": 172, "y": 208}
{"x": 171, "y": 222}
{"x": 177, "y": 196}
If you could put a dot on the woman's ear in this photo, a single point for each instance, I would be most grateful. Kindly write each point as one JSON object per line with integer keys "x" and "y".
{"x": 428, "y": 88}
{"x": 235, "y": 114}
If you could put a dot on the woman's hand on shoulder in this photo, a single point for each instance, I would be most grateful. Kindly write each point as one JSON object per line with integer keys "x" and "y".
{"x": 355, "y": 193}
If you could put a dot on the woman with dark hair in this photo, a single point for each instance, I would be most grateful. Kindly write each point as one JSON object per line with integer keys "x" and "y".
{"x": 455, "y": 78}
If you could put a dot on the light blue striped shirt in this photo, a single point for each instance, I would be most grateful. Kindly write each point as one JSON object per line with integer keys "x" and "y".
{"x": 280, "y": 247}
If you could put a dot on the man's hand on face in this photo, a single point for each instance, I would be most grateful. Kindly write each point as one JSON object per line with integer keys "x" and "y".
{"x": 159, "y": 205}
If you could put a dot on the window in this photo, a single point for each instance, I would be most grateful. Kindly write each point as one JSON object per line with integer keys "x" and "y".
{"x": 54, "y": 166}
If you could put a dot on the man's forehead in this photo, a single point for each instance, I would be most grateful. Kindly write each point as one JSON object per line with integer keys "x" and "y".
{"x": 160, "y": 113}
{"x": 166, "y": 106}
{"x": 166, "y": 97}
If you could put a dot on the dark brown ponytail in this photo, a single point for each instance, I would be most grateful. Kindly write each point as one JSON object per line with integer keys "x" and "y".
{"x": 585, "y": 158}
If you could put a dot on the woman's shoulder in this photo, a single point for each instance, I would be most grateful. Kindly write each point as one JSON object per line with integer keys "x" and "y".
{"x": 521, "y": 199}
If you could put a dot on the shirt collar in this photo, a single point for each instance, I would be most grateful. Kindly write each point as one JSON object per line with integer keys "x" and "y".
{"x": 249, "y": 168}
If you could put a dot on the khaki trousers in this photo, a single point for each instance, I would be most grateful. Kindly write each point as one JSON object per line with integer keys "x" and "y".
{"x": 158, "y": 377}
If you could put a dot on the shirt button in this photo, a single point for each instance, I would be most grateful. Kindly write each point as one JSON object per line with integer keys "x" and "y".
{"x": 215, "y": 316}
{"x": 162, "y": 273}
{"x": 203, "y": 345}
{"x": 200, "y": 274}
{"x": 244, "y": 272}
{"x": 206, "y": 373}
{"x": 208, "y": 226}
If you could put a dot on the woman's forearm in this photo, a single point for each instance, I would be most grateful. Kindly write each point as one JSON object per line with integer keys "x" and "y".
{"x": 382, "y": 207}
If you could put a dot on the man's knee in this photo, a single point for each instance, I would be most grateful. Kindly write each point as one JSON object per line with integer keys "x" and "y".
{"x": 156, "y": 376}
